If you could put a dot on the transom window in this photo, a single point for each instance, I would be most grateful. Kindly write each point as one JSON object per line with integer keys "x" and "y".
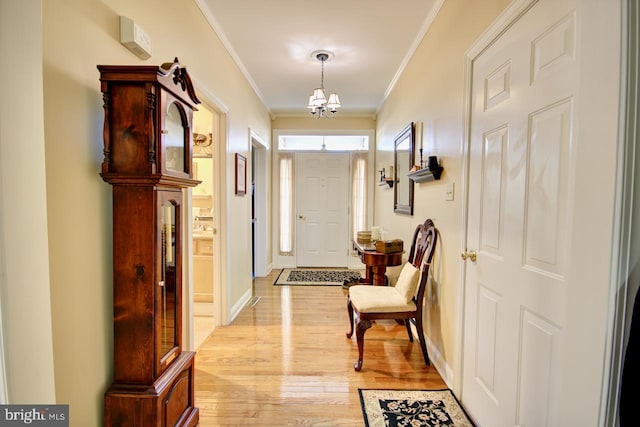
{"x": 320, "y": 143}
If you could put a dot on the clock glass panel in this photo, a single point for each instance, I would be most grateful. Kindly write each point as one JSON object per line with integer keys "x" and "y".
{"x": 174, "y": 140}
{"x": 168, "y": 300}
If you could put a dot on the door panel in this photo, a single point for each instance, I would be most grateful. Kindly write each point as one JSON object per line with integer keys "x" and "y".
{"x": 520, "y": 187}
{"x": 322, "y": 204}
{"x": 492, "y": 197}
{"x": 540, "y": 351}
{"x": 549, "y": 165}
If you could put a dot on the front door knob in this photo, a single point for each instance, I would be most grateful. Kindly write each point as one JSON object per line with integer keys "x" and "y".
{"x": 470, "y": 255}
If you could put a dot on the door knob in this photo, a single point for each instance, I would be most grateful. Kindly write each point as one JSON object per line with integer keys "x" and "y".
{"x": 470, "y": 255}
{"x": 302, "y": 217}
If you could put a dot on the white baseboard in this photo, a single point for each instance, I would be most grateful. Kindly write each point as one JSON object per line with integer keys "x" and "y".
{"x": 239, "y": 305}
{"x": 436, "y": 359}
{"x": 439, "y": 362}
{"x": 268, "y": 270}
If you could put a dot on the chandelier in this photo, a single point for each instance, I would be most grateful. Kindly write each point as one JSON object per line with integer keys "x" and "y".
{"x": 318, "y": 105}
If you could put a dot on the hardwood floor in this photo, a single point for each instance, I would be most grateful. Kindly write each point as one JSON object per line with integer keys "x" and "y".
{"x": 286, "y": 361}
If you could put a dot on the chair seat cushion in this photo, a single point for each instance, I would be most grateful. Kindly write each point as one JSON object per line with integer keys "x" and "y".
{"x": 378, "y": 299}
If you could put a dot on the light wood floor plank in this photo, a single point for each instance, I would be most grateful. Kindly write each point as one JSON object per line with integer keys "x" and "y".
{"x": 286, "y": 361}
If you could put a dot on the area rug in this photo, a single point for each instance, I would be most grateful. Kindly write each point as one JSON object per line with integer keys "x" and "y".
{"x": 315, "y": 277}
{"x": 412, "y": 408}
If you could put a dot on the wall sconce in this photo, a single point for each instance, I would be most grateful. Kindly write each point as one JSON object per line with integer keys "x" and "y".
{"x": 202, "y": 145}
{"x": 384, "y": 179}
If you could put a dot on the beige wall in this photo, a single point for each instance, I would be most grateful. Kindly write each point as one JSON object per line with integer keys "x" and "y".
{"x": 431, "y": 91}
{"x": 338, "y": 122}
{"x": 24, "y": 254}
{"x": 78, "y": 35}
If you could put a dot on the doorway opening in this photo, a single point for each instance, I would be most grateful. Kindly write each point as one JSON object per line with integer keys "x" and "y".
{"x": 259, "y": 181}
{"x": 323, "y": 194}
{"x": 205, "y": 130}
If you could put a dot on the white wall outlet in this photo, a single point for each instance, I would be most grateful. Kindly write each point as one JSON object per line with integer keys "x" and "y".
{"x": 134, "y": 38}
{"x": 448, "y": 192}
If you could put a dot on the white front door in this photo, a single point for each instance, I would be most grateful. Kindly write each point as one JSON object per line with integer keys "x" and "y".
{"x": 521, "y": 306}
{"x": 322, "y": 209}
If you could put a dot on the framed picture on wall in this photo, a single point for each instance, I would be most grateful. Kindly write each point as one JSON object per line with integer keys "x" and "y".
{"x": 241, "y": 175}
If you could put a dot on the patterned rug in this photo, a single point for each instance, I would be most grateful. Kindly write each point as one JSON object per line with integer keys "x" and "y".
{"x": 315, "y": 277}
{"x": 412, "y": 408}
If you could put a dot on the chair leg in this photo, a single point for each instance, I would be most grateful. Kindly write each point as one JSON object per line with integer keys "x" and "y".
{"x": 423, "y": 344}
{"x": 350, "y": 311}
{"x": 407, "y": 323}
{"x": 361, "y": 328}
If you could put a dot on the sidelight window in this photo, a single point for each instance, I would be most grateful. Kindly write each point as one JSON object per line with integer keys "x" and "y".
{"x": 286, "y": 204}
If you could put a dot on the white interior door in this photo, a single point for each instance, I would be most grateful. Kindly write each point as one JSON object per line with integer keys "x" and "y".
{"x": 322, "y": 207}
{"x": 523, "y": 180}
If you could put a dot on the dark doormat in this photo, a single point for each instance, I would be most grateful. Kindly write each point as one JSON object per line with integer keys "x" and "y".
{"x": 315, "y": 277}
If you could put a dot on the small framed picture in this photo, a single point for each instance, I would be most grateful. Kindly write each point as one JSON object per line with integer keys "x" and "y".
{"x": 241, "y": 175}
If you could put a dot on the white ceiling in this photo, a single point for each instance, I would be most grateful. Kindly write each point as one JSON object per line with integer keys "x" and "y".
{"x": 272, "y": 42}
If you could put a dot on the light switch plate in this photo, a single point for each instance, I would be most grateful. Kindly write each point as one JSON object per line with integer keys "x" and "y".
{"x": 448, "y": 193}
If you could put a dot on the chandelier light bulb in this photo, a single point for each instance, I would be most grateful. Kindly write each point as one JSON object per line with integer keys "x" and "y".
{"x": 334, "y": 101}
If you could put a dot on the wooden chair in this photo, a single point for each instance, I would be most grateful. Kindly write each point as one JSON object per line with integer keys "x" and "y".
{"x": 401, "y": 302}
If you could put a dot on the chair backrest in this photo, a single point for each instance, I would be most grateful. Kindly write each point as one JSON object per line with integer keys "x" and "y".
{"x": 421, "y": 253}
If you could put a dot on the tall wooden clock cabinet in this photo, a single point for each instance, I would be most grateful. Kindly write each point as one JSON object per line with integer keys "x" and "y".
{"x": 148, "y": 113}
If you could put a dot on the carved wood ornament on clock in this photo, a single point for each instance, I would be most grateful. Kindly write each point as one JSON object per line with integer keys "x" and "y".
{"x": 148, "y": 113}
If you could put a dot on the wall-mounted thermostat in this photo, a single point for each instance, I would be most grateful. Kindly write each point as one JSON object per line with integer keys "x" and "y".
{"x": 134, "y": 38}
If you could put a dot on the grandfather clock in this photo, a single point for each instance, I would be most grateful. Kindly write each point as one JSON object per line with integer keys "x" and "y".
{"x": 148, "y": 112}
